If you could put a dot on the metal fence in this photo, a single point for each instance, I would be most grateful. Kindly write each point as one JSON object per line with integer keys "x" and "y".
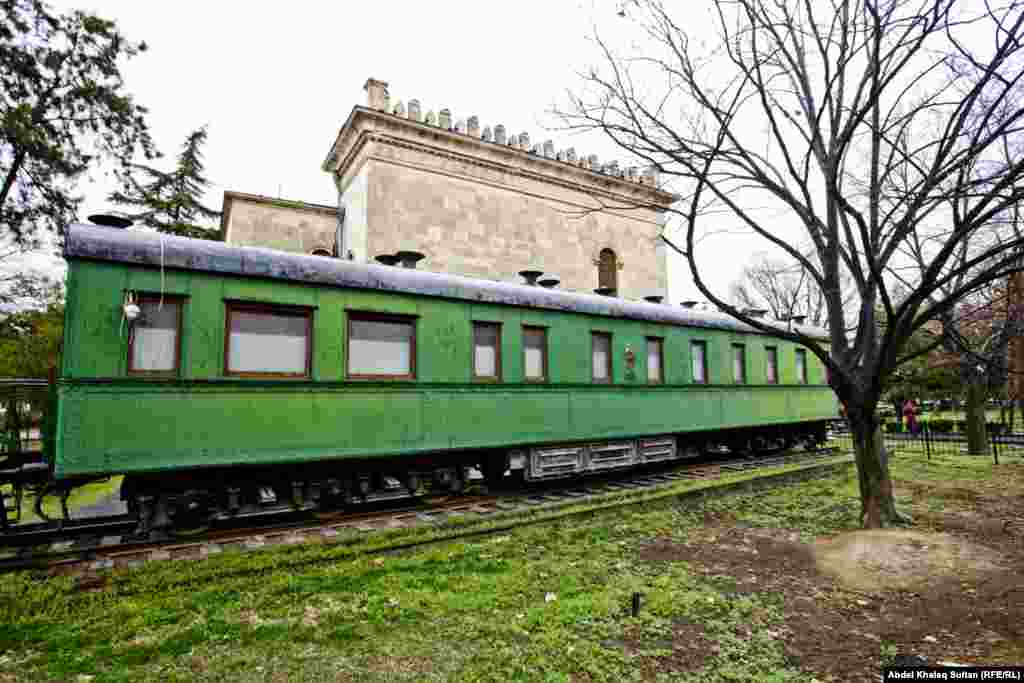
{"x": 925, "y": 443}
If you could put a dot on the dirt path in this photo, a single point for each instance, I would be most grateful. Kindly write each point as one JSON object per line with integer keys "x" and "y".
{"x": 952, "y": 589}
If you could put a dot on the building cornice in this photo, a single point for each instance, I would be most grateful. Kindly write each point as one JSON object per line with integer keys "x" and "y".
{"x": 365, "y": 126}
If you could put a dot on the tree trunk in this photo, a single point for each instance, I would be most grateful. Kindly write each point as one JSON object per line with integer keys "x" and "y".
{"x": 977, "y": 434}
{"x": 877, "y": 500}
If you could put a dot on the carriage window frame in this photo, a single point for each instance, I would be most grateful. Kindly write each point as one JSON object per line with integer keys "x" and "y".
{"x": 739, "y": 353}
{"x": 544, "y": 354}
{"x": 703, "y": 346}
{"x": 372, "y": 316}
{"x": 287, "y": 310}
{"x": 172, "y": 299}
{"x": 660, "y": 342}
{"x": 496, "y": 377}
{"x": 801, "y": 366}
{"x": 595, "y": 334}
{"x": 771, "y": 364}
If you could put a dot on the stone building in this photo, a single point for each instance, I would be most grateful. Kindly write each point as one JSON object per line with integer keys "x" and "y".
{"x": 255, "y": 220}
{"x": 476, "y": 202}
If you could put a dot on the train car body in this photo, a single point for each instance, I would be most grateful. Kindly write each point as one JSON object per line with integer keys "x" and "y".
{"x": 213, "y": 408}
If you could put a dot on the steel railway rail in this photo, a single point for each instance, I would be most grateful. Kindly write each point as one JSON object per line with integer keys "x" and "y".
{"x": 105, "y": 544}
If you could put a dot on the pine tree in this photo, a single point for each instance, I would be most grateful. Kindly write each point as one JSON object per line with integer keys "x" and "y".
{"x": 170, "y": 201}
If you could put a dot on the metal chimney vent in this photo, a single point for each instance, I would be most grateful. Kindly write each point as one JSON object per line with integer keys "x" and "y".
{"x": 654, "y": 299}
{"x": 798, "y": 319}
{"x": 755, "y": 312}
{"x": 605, "y": 291}
{"x": 531, "y": 276}
{"x": 549, "y": 282}
{"x": 110, "y": 220}
{"x": 688, "y": 304}
{"x": 387, "y": 259}
{"x": 409, "y": 259}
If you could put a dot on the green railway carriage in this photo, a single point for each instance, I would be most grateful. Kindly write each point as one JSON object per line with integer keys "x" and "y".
{"x": 187, "y": 358}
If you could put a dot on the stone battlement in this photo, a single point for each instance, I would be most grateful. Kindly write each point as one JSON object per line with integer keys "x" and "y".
{"x": 378, "y": 98}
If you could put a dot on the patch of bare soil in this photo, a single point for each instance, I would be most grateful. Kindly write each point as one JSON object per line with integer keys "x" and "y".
{"x": 939, "y": 595}
{"x": 900, "y": 559}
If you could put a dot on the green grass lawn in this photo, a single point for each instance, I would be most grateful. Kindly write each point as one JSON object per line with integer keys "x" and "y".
{"x": 547, "y": 602}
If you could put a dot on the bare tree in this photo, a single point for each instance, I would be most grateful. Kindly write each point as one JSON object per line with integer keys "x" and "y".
{"x": 785, "y": 288}
{"x": 869, "y": 124}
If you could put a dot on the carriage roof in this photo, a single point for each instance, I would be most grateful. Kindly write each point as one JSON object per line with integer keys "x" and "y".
{"x": 148, "y": 248}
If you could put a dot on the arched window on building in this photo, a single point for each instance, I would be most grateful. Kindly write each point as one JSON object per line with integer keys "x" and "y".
{"x": 321, "y": 252}
{"x": 608, "y": 270}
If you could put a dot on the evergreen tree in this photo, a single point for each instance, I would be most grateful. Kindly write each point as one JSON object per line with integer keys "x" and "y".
{"x": 170, "y": 201}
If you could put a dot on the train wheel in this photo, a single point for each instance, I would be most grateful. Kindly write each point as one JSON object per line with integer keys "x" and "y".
{"x": 493, "y": 468}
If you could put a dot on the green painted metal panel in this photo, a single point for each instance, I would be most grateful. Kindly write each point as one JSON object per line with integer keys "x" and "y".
{"x": 70, "y": 346}
{"x": 142, "y": 427}
{"x": 102, "y": 338}
{"x": 204, "y": 320}
{"x": 329, "y": 336}
{"x": 443, "y": 342}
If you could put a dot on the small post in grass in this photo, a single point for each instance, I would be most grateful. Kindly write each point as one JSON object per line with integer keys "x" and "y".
{"x": 926, "y": 432}
{"x": 636, "y": 605}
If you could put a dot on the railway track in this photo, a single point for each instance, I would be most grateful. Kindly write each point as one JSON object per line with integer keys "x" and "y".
{"x": 104, "y": 544}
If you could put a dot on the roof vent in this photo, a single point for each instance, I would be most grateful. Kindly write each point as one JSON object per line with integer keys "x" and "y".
{"x": 409, "y": 259}
{"x": 531, "y": 276}
{"x": 688, "y": 304}
{"x": 549, "y": 282}
{"x": 110, "y": 220}
{"x": 654, "y": 299}
{"x": 387, "y": 259}
{"x": 798, "y": 319}
{"x": 605, "y": 291}
{"x": 754, "y": 312}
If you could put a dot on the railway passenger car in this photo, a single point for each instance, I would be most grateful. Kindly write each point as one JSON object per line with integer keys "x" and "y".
{"x": 218, "y": 378}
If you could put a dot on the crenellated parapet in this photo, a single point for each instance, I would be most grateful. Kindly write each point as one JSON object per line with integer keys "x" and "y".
{"x": 486, "y": 201}
{"x": 379, "y": 101}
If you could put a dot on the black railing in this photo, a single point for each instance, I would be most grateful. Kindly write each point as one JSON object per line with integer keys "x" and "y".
{"x": 926, "y": 442}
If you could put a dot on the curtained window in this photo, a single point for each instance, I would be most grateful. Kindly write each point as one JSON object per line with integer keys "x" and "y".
{"x": 699, "y": 360}
{"x": 773, "y": 365}
{"x": 156, "y": 336}
{"x": 535, "y": 354}
{"x": 655, "y": 366}
{"x": 487, "y": 351}
{"x": 268, "y": 340}
{"x": 739, "y": 364}
{"x": 381, "y": 346}
{"x": 601, "y": 356}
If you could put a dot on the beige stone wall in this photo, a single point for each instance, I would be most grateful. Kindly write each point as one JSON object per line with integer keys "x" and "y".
{"x": 492, "y": 228}
{"x": 254, "y": 221}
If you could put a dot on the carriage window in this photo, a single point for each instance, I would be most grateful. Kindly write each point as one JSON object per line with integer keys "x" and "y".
{"x": 381, "y": 346}
{"x": 801, "y": 366}
{"x": 535, "y": 353}
{"x": 486, "y": 350}
{"x": 655, "y": 374}
{"x": 773, "y": 364}
{"x": 601, "y": 356}
{"x": 155, "y": 340}
{"x": 739, "y": 364}
{"x": 698, "y": 357}
{"x": 268, "y": 340}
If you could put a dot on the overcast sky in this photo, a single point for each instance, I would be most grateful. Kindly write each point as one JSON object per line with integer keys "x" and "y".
{"x": 274, "y": 82}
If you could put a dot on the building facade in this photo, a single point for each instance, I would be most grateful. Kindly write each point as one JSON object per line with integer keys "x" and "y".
{"x": 480, "y": 203}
